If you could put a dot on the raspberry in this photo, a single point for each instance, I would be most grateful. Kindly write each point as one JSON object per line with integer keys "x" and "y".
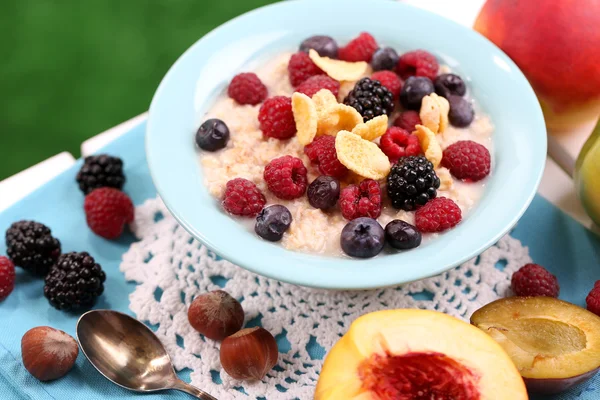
{"x": 286, "y": 177}
{"x": 243, "y": 198}
{"x": 592, "y": 300}
{"x": 438, "y": 215}
{"x": 362, "y": 200}
{"x": 359, "y": 49}
{"x": 301, "y": 67}
{"x": 417, "y": 63}
{"x": 276, "y": 118}
{"x": 534, "y": 280}
{"x": 247, "y": 88}
{"x": 315, "y": 83}
{"x": 467, "y": 160}
{"x": 407, "y": 120}
{"x": 322, "y": 153}
{"x": 107, "y": 210}
{"x": 396, "y": 143}
{"x": 390, "y": 80}
{"x": 7, "y": 277}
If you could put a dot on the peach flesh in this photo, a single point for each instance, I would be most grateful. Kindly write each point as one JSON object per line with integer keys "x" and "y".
{"x": 418, "y": 376}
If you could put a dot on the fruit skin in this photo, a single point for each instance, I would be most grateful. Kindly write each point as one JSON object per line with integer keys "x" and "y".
{"x": 569, "y": 89}
{"x": 249, "y": 354}
{"x": 587, "y": 171}
{"x": 362, "y": 200}
{"x": 31, "y": 246}
{"x": 416, "y": 331}
{"x": 370, "y": 99}
{"x": 322, "y": 153}
{"x": 439, "y": 215}
{"x": 301, "y": 67}
{"x": 216, "y": 315}
{"x": 272, "y": 222}
{"x": 107, "y": 211}
{"x": 286, "y": 177}
{"x": 384, "y": 58}
{"x": 212, "y": 135}
{"x": 324, "y": 192}
{"x": 534, "y": 280}
{"x": 74, "y": 282}
{"x": 243, "y": 198}
{"x": 247, "y": 88}
{"x": 7, "y": 277}
{"x": 407, "y": 120}
{"x": 397, "y": 143}
{"x": 326, "y": 46}
{"x": 362, "y": 237}
{"x": 401, "y": 235}
{"x": 449, "y": 84}
{"x": 592, "y": 300}
{"x": 276, "y": 118}
{"x": 417, "y": 63}
{"x": 48, "y": 353}
{"x": 315, "y": 83}
{"x": 412, "y": 182}
{"x": 359, "y": 49}
{"x": 389, "y": 80}
{"x": 461, "y": 111}
{"x": 467, "y": 160}
{"x": 413, "y": 91}
{"x": 99, "y": 171}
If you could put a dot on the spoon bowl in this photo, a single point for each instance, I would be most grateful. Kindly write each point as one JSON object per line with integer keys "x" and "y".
{"x": 128, "y": 353}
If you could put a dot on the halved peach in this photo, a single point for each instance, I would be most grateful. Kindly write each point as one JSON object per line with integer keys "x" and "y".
{"x": 554, "y": 344}
{"x": 417, "y": 354}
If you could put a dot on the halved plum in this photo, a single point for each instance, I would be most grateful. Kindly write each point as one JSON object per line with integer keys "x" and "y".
{"x": 554, "y": 344}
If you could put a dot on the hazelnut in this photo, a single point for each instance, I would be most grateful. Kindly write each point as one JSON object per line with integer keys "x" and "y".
{"x": 249, "y": 354}
{"x": 48, "y": 353}
{"x": 216, "y": 315}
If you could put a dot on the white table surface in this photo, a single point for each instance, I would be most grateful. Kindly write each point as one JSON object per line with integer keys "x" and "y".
{"x": 556, "y": 185}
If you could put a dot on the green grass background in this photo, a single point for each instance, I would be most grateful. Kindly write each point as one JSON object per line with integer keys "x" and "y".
{"x": 70, "y": 69}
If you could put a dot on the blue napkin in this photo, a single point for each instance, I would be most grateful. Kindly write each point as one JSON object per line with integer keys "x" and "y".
{"x": 554, "y": 239}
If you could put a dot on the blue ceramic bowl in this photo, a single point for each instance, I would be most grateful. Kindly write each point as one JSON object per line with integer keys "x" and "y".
{"x": 208, "y": 66}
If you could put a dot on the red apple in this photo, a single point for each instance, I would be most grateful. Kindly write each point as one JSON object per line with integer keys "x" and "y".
{"x": 556, "y": 45}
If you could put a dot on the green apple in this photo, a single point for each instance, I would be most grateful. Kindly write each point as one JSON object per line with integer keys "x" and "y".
{"x": 587, "y": 175}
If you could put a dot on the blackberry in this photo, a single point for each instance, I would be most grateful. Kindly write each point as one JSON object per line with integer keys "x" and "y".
{"x": 74, "y": 282}
{"x": 31, "y": 246}
{"x": 101, "y": 171}
{"x": 370, "y": 98}
{"x": 412, "y": 182}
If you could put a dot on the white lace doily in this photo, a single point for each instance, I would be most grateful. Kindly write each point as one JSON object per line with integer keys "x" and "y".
{"x": 170, "y": 268}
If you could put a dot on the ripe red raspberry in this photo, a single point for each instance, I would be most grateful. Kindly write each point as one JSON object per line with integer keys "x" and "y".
{"x": 286, "y": 177}
{"x": 407, "y": 120}
{"x": 246, "y": 88}
{"x": 276, "y": 118}
{"x": 438, "y": 215}
{"x": 390, "y": 80}
{"x": 417, "y": 63}
{"x": 359, "y": 49}
{"x": 322, "y": 153}
{"x": 7, "y": 277}
{"x": 243, "y": 198}
{"x": 397, "y": 143}
{"x": 107, "y": 211}
{"x": 315, "y": 83}
{"x": 534, "y": 280}
{"x": 301, "y": 67}
{"x": 467, "y": 160}
{"x": 593, "y": 299}
{"x": 362, "y": 200}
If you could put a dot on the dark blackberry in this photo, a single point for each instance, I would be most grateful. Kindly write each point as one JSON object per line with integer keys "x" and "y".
{"x": 412, "y": 182}
{"x": 74, "y": 282}
{"x": 101, "y": 171}
{"x": 370, "y": 99}
{"x": 31, "y": 246}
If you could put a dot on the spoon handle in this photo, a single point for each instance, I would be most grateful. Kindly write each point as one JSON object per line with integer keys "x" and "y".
{"x": 194, "y": 391}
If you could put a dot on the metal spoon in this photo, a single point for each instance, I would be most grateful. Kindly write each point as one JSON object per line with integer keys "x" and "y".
{"x": 128, "y": 353}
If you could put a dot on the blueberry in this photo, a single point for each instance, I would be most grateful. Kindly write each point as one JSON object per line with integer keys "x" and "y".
{"x": 448, "y": 84}
{"x": 384, "y": 58}
{"x": 362, "y": 237}
{"x": 323, "y": 192}
{"x": 401, "y": 235}
{"x": 212, "y": 135}
{"x": 272, "y": 222}
{"x": 326, "y": 46}
{"x": 461, "y": 111}
{"x": 413, "y": 91}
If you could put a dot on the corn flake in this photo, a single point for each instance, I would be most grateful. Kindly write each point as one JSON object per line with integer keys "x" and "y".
{"x": 429, "y": 144}
{"x": 338, "y": 69}
{"x": 305, "y": 115}
{"x": 373, "y": 128}
{"x": 361, "y": 156}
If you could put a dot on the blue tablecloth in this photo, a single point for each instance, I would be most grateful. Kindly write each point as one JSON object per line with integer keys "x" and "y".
{"x": 554, "y": 239}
